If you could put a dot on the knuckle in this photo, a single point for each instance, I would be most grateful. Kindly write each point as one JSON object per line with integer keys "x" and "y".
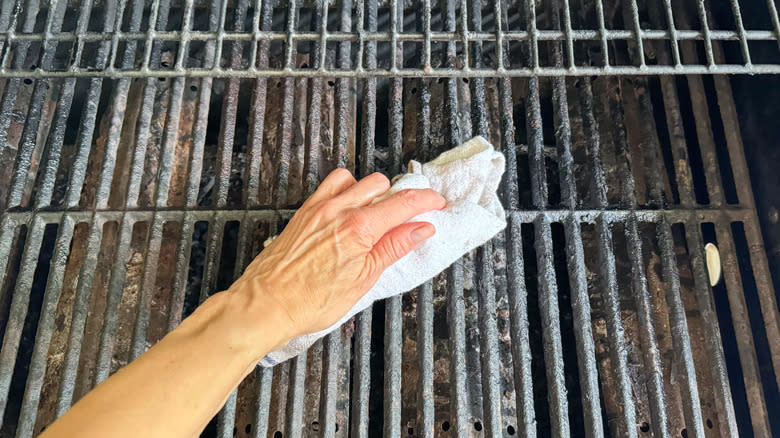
{"x": 381, "y": 180}
{"x": 328, "y": 208}
{"x": 410, "y": 197}
{"x": 358, "y": 222}
{"x": 397, "y": 248}
{"x": 340, "y": 172}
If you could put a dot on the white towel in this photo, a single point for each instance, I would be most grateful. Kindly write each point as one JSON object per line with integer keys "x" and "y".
{"x": 467, "y": 176}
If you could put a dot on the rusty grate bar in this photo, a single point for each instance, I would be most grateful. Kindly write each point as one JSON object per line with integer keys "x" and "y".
{"x": 152, "y": 164}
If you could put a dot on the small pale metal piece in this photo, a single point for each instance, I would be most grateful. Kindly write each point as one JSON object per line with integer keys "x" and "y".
{"x": 713, "y": 263}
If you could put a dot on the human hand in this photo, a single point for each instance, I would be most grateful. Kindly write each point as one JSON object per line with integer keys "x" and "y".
{"x": 333, "y": 250}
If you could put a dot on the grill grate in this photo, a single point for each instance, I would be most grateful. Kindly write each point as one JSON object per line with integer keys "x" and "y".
{"x": 188, "y": 29}
{"x": 150, "y": 164}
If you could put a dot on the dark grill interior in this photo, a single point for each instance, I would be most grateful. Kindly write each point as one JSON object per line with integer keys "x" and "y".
{"x": 144, "y": 167}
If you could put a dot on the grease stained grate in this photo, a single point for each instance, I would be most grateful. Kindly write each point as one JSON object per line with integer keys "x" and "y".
{"x": 150, "y": 147}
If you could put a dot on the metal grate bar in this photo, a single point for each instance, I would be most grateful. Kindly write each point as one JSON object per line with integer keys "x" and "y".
{"x": 679, "y": 148}
{"x": 562, "y": 125}
{"x": 334, "y": 345}
{"x": 8, "y": 24}
{"x": 622, "y": 70}
{"x": 263, "y": 17}
{"x": 35, "y": 112}
{"x": 705, "y": 136}
{"x": 724, "y": 406}
{"x": 32, "y": 391}
{"x": 615, "y": 333}
{"x": 284, "y": 153}
{"x": 567, "y": 30}
{"x": 425, "y": 356}
{"x": 109, "y": 162}
{"x": 584, "y": 215}
{"x": 179, "y": 288}
{"x": 530, "y": 23}
{"x": 85, "y": 134}
{"x": 705, "y": 29}
{"x": 580, "y": 302}
{"x": 638, "y": 34}
{"x": 53, "y": 150}
{"x": 151, "y": 258}
{"x": 330, "y": 370}
{"x": 741, "y": 31}
{"x": 457, "y": 334}
{"x": 491, "y": 399}
{"x": 680, "y": 335}
{"x": 578, "y": 283}
{"x": 507, "y": 129}
{"x": 362, "y": 343}
{"x": 647, "y": 334}
{"x": 170, "y": 140}
{"x": 79, "y": 317}
{"x": 396, "y": 113}
{"x": 19, "y": 307}
{"x": 774, "y": 18}
{"x": 521, "y": 352}
{"x": 318, "y": 51}
{"x": 369, "y": 90}
{"x": 464, "y": 33}
{"x": 479, "y": 118}
{"x": 603, "y": 32}
{"x": 344, "y": 97}
{"x": 115, "y": 291}
{"x": 551, "y": 329}
{"x": 383, "y": 36}
{"x": 627, "y": 189}
{"x": 226, "y": 417}
{"x": 766, "y": 291}
{"x": 392, "y": 359}
{"x": 120, "y": 99}
{"x": 598, "y": 184}
{"x": 361, "y": 374}
{"x": 535, "y": 145}
{"x": 12, "y": 87}
{"x": 294, "y": 424}
{"x": 673, "y": 32}
{"x": 743, "y": 331}
{"x": 264, "y": 379}
{"x": 228, "y": 120}
{"x": 650, "y": 145}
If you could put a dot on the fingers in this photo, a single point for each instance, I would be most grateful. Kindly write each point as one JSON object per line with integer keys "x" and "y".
{"x": 399, "y": 208}
{"x": 366, "y": 190}
{"x": 334, "y": 184}
{"x": 398, "y": 242}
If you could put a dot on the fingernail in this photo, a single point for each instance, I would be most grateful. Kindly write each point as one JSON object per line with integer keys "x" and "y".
{"x": 419, "y": 234}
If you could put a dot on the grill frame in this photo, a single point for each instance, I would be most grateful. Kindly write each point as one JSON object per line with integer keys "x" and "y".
{"x": 292, "y": 381}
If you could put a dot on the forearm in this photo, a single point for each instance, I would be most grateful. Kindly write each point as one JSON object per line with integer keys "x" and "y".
{"x": 177, "y": 386}
{"x": 330, "y": 253}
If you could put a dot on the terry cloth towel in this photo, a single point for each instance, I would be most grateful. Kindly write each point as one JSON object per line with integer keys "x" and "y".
{"x": 467, "y": 176}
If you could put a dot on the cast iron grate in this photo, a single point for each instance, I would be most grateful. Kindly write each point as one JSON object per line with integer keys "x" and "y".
{"x": 134, "y": 191}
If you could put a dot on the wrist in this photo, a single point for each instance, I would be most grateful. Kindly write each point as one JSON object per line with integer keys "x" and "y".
{"x": 256, "y": 318}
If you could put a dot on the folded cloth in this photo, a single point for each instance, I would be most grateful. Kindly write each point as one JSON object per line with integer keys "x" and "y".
{"x": 467, "y": 176}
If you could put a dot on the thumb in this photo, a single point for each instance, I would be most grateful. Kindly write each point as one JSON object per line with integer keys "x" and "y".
{"x": 398, "y": 242}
